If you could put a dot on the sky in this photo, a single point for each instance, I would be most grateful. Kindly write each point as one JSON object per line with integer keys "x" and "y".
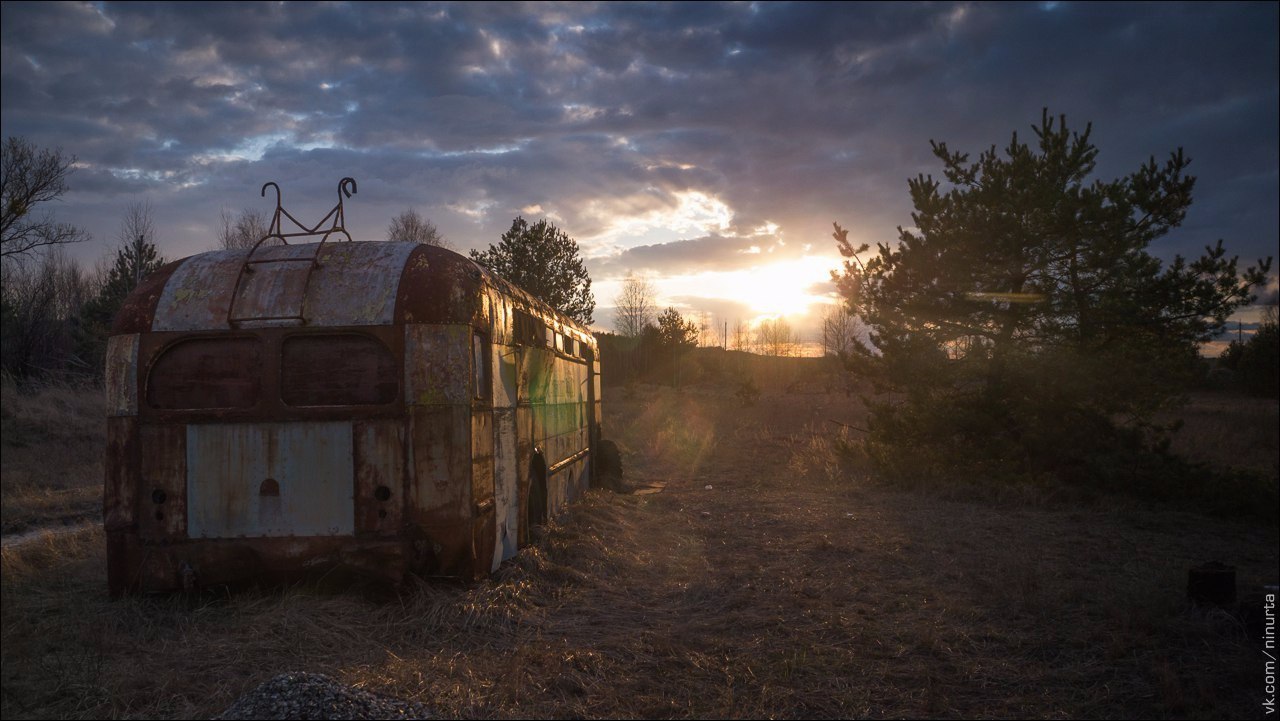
{"x": 706, "y": 146}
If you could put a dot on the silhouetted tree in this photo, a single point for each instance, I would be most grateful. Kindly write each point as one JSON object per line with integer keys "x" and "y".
{"x": 29, "y": 177}
{"x": 676, "y": 333}
{"x": 740, "y": 335}
{"x": 774, "y": 337}
{"x": 544, "y": 261}
{"x": 837, "y": 331}
{"x": 409, "y": 227}
{"x": 243, "y": 231}
{"x": 1022, "y": 314}
{"x": 135, "y": 259}
{"x": 635, "y": 306}
{"x": 40, "y": 307}
{"x": 1254, "y": 361}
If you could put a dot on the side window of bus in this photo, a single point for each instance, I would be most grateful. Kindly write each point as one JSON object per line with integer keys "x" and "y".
{"x": 337, "y": 369}
{"x": 480, "y": 367}
{"x": 209, "y": 373}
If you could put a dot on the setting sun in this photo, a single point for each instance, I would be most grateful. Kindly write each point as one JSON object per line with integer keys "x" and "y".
{"x": 784, "y": 288}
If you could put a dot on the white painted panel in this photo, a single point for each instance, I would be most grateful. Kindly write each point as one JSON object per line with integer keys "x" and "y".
{"x": 229, "y": 463}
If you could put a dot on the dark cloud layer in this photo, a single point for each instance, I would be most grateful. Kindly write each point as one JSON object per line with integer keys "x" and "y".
{"x": 796, "y": 114}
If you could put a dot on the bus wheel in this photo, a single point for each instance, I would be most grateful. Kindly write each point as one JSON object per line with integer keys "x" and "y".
{"x": 609, "y": 466}
{"x": 536, "y": 512}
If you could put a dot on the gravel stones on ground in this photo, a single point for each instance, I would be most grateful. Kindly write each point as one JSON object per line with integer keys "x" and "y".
{"x": 300, "y": 695}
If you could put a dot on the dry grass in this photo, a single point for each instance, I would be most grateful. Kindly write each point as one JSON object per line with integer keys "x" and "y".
{"x": 792, "y": 588}
{"x": 1230, "y": 431}
{"x": 51, "y": 439}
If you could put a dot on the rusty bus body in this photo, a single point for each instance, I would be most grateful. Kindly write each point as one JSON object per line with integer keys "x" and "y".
{"x": 389, "y": 407}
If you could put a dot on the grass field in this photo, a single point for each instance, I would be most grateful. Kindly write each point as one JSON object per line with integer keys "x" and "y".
{"x": 52, "y": 443}
{"x": 769, "y": 578}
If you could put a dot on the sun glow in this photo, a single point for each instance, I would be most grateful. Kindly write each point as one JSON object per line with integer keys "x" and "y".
{"x": 780, "y": 289}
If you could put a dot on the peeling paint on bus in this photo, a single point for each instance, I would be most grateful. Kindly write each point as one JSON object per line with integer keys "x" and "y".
{"x": 388, "y": 408}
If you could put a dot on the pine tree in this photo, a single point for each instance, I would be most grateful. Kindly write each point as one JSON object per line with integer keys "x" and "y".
{"x": 675, "y": 332}
{"x": 134, "y": 261}
{"x": 544, "y": 261}
{"x": 1023, "y": 313}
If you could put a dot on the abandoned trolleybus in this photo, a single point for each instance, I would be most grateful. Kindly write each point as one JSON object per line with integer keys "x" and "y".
{"x": 388, "y": 407}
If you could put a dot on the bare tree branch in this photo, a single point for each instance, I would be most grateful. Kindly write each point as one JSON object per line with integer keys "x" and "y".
{"x": 243, "y": 231}
{"x": 409, "y": 227}
{"x": 28, "y": 177}
{"x": 636, "y": 307}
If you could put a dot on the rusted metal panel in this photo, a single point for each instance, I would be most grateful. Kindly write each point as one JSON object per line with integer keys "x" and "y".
{"x": 207, "y": 373}
{"x": 440, "y": 286}
{"x": 259, "y": 374}
{"x": 506, "y": 483}
{"x": 121, "y": 375}
{"x": 139, "y": 308}
{"x": 119, "y": 496}
{"x": 482, "y": 453}
{"x": 442, "y": 462}
{"x": 482, "y": 490}
{"x": 380, "y": 476}
{"x": 273, "y": 289}
{"x": 501, "y": 319}
{"x": 352, "y": 284}
{"x": 303, "y": 458}
{"x": 162, "y": 496}
{"x": 506, "y": 369}
{"x": 337, "y": 369}
{"x": 356, "y": 283}
{"x": 437, "y": 364}
{"x": 524, "y": 463}
{"x": 198, "y": 294}
{"x": 269, "y": 479}
{"x": 440, "y": 489}
{"x": 217, "y": 562}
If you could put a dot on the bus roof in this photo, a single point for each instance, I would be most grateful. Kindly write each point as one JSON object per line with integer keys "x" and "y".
{"x": 335, "y": 284}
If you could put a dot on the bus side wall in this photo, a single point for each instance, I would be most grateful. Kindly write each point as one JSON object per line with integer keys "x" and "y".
{"x": 553, "y": 395}
{"x": 539, "y": 401}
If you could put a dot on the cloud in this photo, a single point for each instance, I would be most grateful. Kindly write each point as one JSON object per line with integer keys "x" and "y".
{"x": 660, "y": 136}
{"x": 708, "y": 253}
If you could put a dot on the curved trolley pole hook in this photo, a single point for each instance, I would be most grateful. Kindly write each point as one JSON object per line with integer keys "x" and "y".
{"x": 346, "y": 186}
{"x": 339, "y": 222}
{"x": 338, "y": 213}
{"x": 342, "y": 187}
{"x": 274, "y": 229}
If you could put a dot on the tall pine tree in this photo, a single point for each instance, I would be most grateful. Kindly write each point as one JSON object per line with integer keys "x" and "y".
{"x": 134, "y": 261}
{"x": 1023, "y": 314}
{"x": 543, "y": 260}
